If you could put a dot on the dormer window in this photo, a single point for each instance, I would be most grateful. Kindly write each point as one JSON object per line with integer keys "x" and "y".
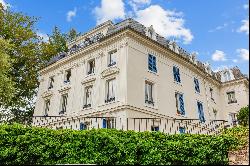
{"x": 67, "y": 76}
{"x": 227, "y": 76}
{"x": 91, "y": 66}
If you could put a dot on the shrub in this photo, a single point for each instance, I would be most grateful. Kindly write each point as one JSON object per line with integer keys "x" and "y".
{"x": 32, "y": 145}
{"x": 243, "y": 116}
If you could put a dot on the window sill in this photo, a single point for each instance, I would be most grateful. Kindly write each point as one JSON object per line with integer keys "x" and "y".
{"x": 108, "y": 103}
{"x": 152, "y": 72}
{"x": 198, "y": 93}
{"x": 112, "y": 64}
{"x": 151, "y": 106}
{"x": 232, "y": 102}
{"x": 89, "y": 75}
{"x": 180, "y": 115}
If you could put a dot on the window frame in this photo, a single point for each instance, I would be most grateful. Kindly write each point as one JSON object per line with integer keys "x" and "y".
{"x": 149, "y": 94}
{"x": 85, "y": 99}
{"x": 232, "y": 97}
{"x": 176, "y": 74}
{"x": 152, "y": 64}
{"x": 196, "y": 85}
{"x": 63, "y": 106}
{"x": 178, "y": 104}
{"x": 46, "y": 106}
{"x": 114, "y": 53}
{"x": 201, "y": 113}
{"x": 51, "y": 82}
{"x": 89, "y": 69}
{"x": 110, "y": 97}
{"x": 66, "y": 79}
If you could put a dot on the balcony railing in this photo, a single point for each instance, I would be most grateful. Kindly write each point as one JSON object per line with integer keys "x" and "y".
{"x": 86, "y": 106}
{"x": 151, "y": 102}
{"x": 165, "y": 125}
{"x": 112, "y": 64}
{"x": 110, "y": 99}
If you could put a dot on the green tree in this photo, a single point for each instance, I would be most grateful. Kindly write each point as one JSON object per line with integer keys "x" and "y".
{"x": 243, "y": 116}
{"x": 25, "y": 58}
{"x": 58, "y": 40}
{"x": 72, "y": 34}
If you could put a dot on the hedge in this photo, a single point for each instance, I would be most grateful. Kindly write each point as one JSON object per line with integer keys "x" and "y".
{"x": 32, "y": 145}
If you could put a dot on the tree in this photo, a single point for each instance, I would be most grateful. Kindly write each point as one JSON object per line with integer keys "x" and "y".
{"x": 243, "y": 116}
{"x": 24, "y": 58}
{"x": 72, "y": 34}
{"x": 58, "y": 40}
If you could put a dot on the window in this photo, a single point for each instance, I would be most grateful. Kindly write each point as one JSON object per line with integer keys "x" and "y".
{"x": 196, "y": 85}
{"x": 88, "y": 97}
{"x": 112, "y": 58}
{"x": 51, "y": 81}
{"x": 200, "y": 111}
{"x": 227, "y": 76}
{"x": 67, "y": 76}
{"x": 91, "y": 66}
{"x": 211, "y": 93}
{"x": 46, "y": 110}
{"x": 182, "y": 130}
{"x": 176, "y": 73}
{"x": 108, "y": 123}
{"x": 83, "y": 126}
{"x": 231, "y": 97}
{"x": 154, "y": 128}
{"x": 149, "y": 93}
{"x": 152, "y": 63}
{"x": 179, "y": 103}
{"x": 63, "y": 103}
{"x": 110, "y": 91}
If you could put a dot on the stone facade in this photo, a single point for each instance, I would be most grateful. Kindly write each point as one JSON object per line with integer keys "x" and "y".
{"x": 108, "y": 73}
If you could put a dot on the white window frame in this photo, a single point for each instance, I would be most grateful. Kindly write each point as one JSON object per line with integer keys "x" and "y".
{"x": 110, "y": 90}
{"x": 112, "y": 58}
{"x": 63, "y": 107}
{"x": 149, "y": 92}
{"x": 88, "y": 101}
{"x": 51, "y": 83}
{"x": 65, "y": 76}
{"x": 46, "y": 106}
{"x": 89, "y": 71}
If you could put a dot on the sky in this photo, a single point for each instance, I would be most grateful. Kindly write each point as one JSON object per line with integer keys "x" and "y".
{"x": 216, "y": 30}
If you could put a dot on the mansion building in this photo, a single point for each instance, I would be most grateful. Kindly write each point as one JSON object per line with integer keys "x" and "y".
{"x": 117, "y": 75}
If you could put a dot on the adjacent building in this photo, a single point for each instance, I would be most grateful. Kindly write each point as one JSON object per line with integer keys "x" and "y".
{"x": 126, "y": 76}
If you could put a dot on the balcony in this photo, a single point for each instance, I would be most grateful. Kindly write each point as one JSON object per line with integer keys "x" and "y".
{"x": 112, "y": 64}
{"x": 110, "y": 99}
{"x": 150, "y": 102}
{"x": 86, "y": 106}
{"x": 232, "y": 101}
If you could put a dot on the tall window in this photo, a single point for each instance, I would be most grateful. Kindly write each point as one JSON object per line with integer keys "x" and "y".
{"x": 64, "y": 103}
{"x": 196, "y": 85}
{"x": 211, "y": 93}
{"x": 108, "y": 123}
{"x": 112, "y": 58}
{"x": 176, "y": 73}
{"x": 152, "y": 63}
{"x": 182, "y": 130}
{"x": 149, "y": 93}
{"x": 51, "y": 82}
{"x": 231, "y": 97}
{"x": 88, "y": 97}
{"x": 83, "y": 126}
{"x": 46, "y": 109}
{"x": 110, "y": 91}
{"x": 91, "y": 66}
{"x": 180, "y": 103}
{"x": 201, "y": 112}
{"x": 232, "y": 119}
{"x": 67, "y": 76}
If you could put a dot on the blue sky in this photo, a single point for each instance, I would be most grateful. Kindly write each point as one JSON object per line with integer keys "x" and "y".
{"x": 218, "y": 30}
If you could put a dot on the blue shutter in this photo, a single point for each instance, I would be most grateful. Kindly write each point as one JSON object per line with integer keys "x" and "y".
{"x": 182, "y": 109}
{"x": 201, "y": 113}
{"x": 182, "y": 130}
{"x": 178, "y": 75}
{"x": 174, "y": 72}
{"x": 154, "y": 64}
{"x": 104, "y": 123}
{"x": 150, "y": 62}
{"x": 196, "y": 83}
{"x": 81, "y": 126}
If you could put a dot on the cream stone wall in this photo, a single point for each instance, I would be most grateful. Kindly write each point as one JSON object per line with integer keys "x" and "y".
{"x": 131, "y": 72}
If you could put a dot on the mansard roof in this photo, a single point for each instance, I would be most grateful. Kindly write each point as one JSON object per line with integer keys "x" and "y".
{"x": 141, "y": 29}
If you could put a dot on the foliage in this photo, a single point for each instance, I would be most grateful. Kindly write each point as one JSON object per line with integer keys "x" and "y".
{"x": 240, "y": 133}
{"x": 31, "y": 145}
{"x": 243, "y": 116}
{"x": 23, "y": 53}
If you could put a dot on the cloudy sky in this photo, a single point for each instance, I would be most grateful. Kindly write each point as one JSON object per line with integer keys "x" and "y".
{"x": 217, "y": 30}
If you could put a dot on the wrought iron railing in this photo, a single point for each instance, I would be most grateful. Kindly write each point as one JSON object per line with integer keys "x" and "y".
{"x": 170, "y": 126}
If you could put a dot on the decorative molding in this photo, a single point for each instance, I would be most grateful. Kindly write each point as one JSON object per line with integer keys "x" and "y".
{"x": 88, "y": 81}
{"x": 47, "y": 94}
{"x": 64, "y": 89}
{"x": 109, "y": 71}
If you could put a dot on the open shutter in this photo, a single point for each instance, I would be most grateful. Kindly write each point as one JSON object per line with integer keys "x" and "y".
{"x": 182, "y": 109}
{"x": 104, "y": 123}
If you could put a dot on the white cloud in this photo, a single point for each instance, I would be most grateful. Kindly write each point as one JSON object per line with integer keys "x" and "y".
{"x": 244, "y": 27}
{"x": 44, "y": 36}
{"x": 219, "y": 27}
{"x": 219, "y": 56}
{"x": 71, "y": 14}
{"x": 243, "y": 54}
{"x": 136, "y": 4}
{"x": 167, "y": 23}
{"x": 246, "y": 6}
{"x": 235, "y": 60}
{"x": 142, "y": 1}
{"x": 110, "y": 10}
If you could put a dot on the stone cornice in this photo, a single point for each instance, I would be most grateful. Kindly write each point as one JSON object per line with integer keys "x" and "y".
{"x": 236, "y": 82}
{"x": 109, "y": 71}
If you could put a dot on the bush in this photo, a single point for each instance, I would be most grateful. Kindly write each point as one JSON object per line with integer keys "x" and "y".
{"x": 243, "y": 116}
{"x": 32, "y": 145}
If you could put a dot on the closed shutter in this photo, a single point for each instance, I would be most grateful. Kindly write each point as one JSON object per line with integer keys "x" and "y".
{"x": 104, "y": 123}
{"x": 182, "y": 109}
{"x": 201, "y": 113}
{"x": 154, "y": 64}
{"x": 196, "y": 83}
{"x": 150, "y": 62}
{"x": 178, "y": 75}
{"x": 174, "y": 73}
